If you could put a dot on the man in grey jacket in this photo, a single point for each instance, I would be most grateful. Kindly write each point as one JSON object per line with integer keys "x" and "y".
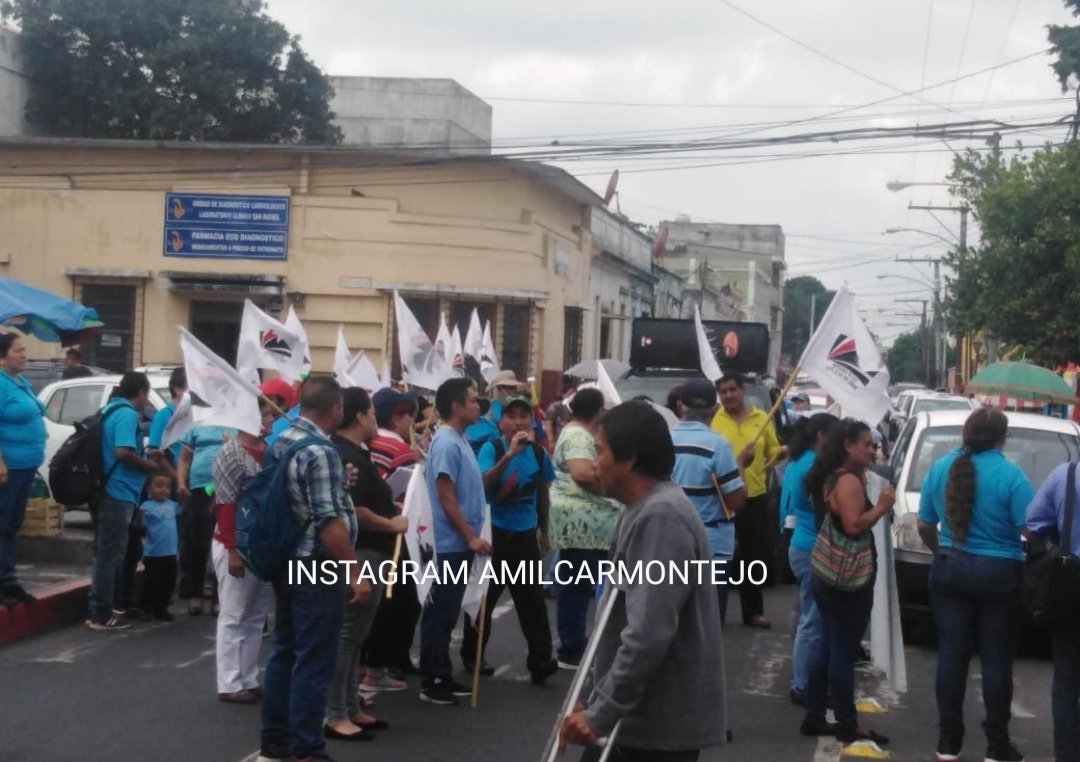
{"x": 659, "y": 667}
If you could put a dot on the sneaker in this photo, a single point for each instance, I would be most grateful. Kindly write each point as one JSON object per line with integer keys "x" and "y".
{"x": 439, "y": 694}
{"x": 114, "y": 622}
{"x": 810, "y": 728}
{"x": 273, "y": 752}
{"x": 1004, "y": 752}
{"x": 544, "y": 671}
{"x": 569, "y": 662}
{"x": 947, "y": 752}
{"x": 457, "y": 688}
{"x": 379, "y": 681}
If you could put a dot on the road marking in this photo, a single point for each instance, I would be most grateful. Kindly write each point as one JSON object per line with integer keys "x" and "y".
{"x": 197, "y": 659}
{"x": 828, "y": 749}
{"x": 765, "y": 661}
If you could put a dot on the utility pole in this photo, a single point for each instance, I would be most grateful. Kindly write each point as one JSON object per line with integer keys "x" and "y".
{"x": 813, "y": 309}
{"x": 939, "y": 323}
{"x": 924, "y": 341}
{"x": 963, "y": 342}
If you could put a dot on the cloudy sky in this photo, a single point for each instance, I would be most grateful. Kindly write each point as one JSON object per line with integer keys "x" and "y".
{"x": 632, "y": 70}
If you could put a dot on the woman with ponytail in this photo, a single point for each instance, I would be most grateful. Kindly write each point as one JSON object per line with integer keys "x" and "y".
{"x": 971, "y": 511}
{"x": 842, "y": 568}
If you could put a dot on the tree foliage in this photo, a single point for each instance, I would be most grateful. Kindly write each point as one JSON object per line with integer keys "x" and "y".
{"x": 1065, "y": 42}
{"x": 798, "y": 293}
{"x": 207, "y": 70}
{"x": 905, "y": 358}
{"x": 1020, "y": 284}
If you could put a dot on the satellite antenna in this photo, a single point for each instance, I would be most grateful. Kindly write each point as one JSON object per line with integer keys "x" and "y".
{"x": 611, "y": 193}
{"x": 659, "y": 246}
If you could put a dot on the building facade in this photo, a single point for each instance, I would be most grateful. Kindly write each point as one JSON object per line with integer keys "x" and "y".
{"x": 14, "y": 84}
{"x": 622, "y": 282}
{"x": 113, "y": 224}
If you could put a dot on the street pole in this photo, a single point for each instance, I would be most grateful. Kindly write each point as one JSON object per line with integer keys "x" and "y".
{"x": 924, "y": 342}
{"x": 813, "y": 309}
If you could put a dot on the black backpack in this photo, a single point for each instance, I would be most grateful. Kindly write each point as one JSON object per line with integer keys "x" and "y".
{"x": 76, "y": 471}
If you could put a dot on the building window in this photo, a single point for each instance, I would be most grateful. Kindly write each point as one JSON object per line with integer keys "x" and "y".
{"x": 605, "y": 338}
{"x": 517, "y": 327}
{"x": 113, "y": 347}
{"x": 461, "y": 315}
{"x": 217, "y": 325}
{"x": 573, "y": 322}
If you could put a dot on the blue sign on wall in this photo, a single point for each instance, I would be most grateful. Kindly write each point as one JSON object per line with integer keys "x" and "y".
{"x": 224, "y": 226}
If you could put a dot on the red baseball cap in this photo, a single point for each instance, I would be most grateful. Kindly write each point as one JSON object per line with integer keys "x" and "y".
{"x": 279, "y": 387}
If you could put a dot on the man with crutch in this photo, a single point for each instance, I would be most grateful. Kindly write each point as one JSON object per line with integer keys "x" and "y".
{"x": 655, "y": 688}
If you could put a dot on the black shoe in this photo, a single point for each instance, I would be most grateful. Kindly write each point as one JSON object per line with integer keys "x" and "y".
{"x": 439, "y": 694}
{"x": 544, "y": 671}
{"x": 947, "y": 752}
{"x": 459, "y": 690}
{"x": 17, "y": 592}
{"x": 114, "y": 622}
{"x": 569, "y": 662}
{"x": 798, "y": 698}
{"x": 853, "y": 736}
{"x": 377, "y": 725}
{"x": 1004, "y": 752}
{"x": 273, "y": 752}
{"x": 485, "y": 669}
{"x": 809, "y": 728}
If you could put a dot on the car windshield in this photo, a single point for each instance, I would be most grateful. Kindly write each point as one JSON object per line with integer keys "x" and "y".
{"x": 656, "y": 388}
{"x": 1036, "y": 451}
{"x": 929, "y": 404}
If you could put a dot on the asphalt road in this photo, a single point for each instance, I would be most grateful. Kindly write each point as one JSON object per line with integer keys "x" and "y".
{"x": 148, "y": 693}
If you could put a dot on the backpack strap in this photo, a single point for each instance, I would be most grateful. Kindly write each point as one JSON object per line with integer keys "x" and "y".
{"x": 116, "y": 461}
{"x": 282, "y": 461}
{"x": 1070, "y": 505}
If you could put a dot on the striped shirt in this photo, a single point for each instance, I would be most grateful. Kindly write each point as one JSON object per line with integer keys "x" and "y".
{"x": 389, "y": 452}
{"x": 317, "y": 483}
{"x": 700, "y": 456}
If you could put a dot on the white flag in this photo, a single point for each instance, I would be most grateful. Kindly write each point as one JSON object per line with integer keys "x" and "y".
{"x": 228, "y": 398}
{"x": 180, "y": 422}
{"x": 474, "y": 337}
{"x": 266, "y": 343}
{"x": 886, "y": 637}
{"x": 420, "y": 365}
{"x": 709, "y": 365}
{"x": 844, "y": 360}
{"x": 477, "y": 588}
{"x": 457, "y": 353}
{"x": 384, "y": 374}
{"x": 292, "y": 323}
{"x": 342, "y": 356}
{"x": 420, "y": 538}
{"x": 489, "y": 363}
{"x": 361, "y": 372}
{"x": 607, "y": 387}
{"x": 444, "y": 341}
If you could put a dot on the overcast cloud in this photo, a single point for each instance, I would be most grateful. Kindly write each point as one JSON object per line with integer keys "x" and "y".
{"x": 705, "y": 53}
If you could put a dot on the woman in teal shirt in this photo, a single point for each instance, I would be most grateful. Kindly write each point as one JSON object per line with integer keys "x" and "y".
{"x": 795, "y": 507}
{"x": 22, "y": 450}
{"x": 971, "y": 509}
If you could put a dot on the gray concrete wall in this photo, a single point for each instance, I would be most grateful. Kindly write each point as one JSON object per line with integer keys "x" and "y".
{"x": 14, "y": 86}
{"x": 406, "y": 112}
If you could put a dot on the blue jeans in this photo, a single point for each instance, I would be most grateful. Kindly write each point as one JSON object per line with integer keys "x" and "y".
{"x": 303, "y": 655}
{"x": 572, "y": 600}
{"x": 111, "y": 521}
{"x": 1065, "y": 694}
{"x": 977, "y": 603}
{"x": 808, "y": 631}
{"x": 13, "y": 496}
{"x": 439, "y": 619}
{"x": 844, "y": 617}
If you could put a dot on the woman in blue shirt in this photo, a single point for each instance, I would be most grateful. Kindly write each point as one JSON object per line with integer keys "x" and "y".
{"x": 971, "y": 511}
{"x": 796, "y": 512}
{"x": 22, "y": 450}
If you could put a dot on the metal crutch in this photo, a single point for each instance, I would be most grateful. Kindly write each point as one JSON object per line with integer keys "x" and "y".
{"x": 551, "y": 751}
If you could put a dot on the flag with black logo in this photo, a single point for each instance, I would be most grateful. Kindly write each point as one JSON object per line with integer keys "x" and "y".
{"x": 267, "y": 343}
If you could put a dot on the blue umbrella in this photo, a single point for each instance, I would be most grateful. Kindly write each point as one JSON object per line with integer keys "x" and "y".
{"x": 45, "y": 315}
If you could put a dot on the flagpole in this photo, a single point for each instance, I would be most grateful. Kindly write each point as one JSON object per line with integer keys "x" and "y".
{"x": 397, "y": 555}
{"x": 479, "y": 651}
{"x": 776, "y": 405}
{"x": 278, "y": 412}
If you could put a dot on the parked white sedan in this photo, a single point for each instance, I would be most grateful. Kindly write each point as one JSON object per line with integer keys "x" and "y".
{"x": 1036, "y": 443}
{"x": 75, "y": 399}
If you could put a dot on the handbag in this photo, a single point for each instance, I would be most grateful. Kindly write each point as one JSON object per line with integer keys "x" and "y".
{"x": 1052, "y": 573}
{"x": 843, "y": 562}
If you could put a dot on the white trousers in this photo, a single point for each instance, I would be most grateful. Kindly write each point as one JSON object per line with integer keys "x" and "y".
{"x": 245, "y": 603}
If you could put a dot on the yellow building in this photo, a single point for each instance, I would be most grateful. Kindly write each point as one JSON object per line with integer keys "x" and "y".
{"x": 90, "y": 219}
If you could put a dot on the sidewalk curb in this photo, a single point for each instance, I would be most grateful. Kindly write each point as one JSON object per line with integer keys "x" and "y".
{"x": 58, "y": 605}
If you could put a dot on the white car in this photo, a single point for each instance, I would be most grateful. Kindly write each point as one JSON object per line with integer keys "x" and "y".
{"x": 1036, "y": 443}
{"x": 77, "y": 398}
{"x": 912, "y": 402}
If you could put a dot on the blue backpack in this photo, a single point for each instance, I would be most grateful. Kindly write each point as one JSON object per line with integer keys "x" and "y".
{"x": 267, "y": 530}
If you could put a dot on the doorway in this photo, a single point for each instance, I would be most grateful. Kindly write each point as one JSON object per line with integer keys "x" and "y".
{"x": 217, "y": 325}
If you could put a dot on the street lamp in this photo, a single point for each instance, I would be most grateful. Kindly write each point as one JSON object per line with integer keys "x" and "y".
{"x": 906, "y": 277}
{"x": 896, "y": 186}
{"x": 943, "y": 239}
